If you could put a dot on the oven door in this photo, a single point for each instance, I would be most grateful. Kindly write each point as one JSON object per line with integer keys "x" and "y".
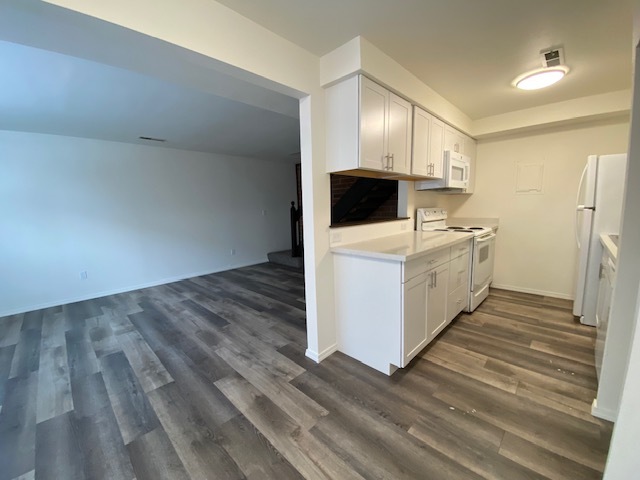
{"x": 483, "y": 254}
{"x": 457, "y": 170}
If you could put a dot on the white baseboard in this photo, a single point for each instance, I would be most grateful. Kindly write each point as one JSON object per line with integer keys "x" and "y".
{"x": 318, "y": 357}
{"x": 603, "y": 413}
{"x": 533, "y": 291}
{"x": 115, "y": 291}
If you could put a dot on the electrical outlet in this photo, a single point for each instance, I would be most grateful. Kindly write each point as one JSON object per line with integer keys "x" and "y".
{"x": 233, "y": 251}
{"x": 336, "y": 237}
{"x": 83, "y": 275}
{"x": 264, "y": 213}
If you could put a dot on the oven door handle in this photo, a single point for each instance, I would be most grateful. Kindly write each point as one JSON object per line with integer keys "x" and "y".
{"x": 488, "y": 238}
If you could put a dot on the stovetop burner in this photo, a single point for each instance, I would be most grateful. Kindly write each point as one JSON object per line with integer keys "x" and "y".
{"x": 454, "y": 229}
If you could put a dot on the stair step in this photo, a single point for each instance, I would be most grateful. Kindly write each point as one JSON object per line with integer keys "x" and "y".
{"x": 284, "y": 258}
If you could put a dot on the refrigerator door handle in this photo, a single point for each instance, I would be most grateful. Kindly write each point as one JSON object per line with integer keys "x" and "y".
{"x": 579, "y": 208}
{"x": 584, "y": 174}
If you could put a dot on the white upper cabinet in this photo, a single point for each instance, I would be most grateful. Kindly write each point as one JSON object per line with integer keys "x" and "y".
{"x": 399, "y": 134}
{"x": 374, "y": 114}
{"x": 368, "y": 128}
{"x": 436, "y": 148}
{"x": 373, "y": 132}
{"x": 428, "y": 141}
{"x": 420, "y": 162}
{"x": 453, "y": 140}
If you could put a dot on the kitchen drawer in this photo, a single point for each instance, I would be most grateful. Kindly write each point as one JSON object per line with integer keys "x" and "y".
{"x": 460, "y": 249}
{"x": 459, "y": 272}
{"x": 457, "y": 301}
{"x": 420, "y": 265}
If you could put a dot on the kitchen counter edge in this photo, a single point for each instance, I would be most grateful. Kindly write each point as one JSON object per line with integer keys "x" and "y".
{"x": 610, "y": 246}
{"x": 408, "y": 246}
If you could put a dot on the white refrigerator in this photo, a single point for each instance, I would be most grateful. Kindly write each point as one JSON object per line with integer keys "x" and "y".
{"x": 598, "y": 211}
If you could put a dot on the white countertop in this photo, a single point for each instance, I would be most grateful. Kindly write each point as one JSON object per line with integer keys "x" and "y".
{"x": 610, "y": 245}
{"x": 403, "y": 246}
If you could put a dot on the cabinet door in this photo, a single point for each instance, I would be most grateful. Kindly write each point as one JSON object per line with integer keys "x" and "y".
{"x": 415, "y": 317}
{"x": 438, "y": 280}
{"x": 436, "y": 148}
{"x": 458, "y": 296}
{"x": 468, "y": 146}
{"x": 399, "y": 134}
{"x": 459, "y": 272}
{"x": 603, "y": 308}
{"x": 453, "y": 140}
{"x": 374, "y": 104}
{"x": 421, "y": 143}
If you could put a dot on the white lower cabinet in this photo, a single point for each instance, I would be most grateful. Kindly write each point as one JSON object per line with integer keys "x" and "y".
{"x": 458, "y": 297}
{"x": 437, "y": 300}
{"x": 388, "y": 311}
{"x": 415, "y": 332}
{"x": 603, "y": 306}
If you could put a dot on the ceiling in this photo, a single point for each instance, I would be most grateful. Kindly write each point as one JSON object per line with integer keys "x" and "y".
{"x": 47, "y": 92}
{"x": 469, "y": 51}
{"x": 466, "y": 50}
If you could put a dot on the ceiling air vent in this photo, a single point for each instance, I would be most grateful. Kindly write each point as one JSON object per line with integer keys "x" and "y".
{"x": 553, "y": 57}
{"x": 153, "y": 139}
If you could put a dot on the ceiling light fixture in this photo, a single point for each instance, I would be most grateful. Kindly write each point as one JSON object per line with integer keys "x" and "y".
{"x": 540, "y": 78}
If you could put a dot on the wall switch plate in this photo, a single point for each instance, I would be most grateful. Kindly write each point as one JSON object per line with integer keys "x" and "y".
{"x": 83, "y": 275}
{"x": 264, "y": 213}
{"x": 233, "y": 251}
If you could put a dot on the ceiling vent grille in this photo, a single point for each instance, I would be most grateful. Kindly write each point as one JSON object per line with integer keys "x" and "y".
{"x": 153, "y": 139}
{"x": 553, "y": 57}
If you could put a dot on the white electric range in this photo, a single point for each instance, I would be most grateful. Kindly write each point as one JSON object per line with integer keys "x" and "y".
{"x": 482, "y": 254}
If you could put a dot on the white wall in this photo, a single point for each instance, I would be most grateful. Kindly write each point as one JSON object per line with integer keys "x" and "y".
{"x": 623, "y": 358}
{"x": 535, "y": 247}
{"x": 129, "y": 215}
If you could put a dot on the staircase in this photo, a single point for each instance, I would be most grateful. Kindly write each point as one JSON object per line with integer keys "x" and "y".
{"x": 364, "y": 197}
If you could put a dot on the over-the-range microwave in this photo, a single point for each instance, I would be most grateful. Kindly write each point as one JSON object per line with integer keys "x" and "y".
{"x": 456, "y": 174}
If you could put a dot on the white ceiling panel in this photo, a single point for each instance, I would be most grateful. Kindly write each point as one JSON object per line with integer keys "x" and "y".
{"x": 47, "y": 92}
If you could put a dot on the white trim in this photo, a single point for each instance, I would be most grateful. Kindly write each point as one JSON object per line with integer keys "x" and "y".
{"x": 322, "y": 355}
{"x": 533, "y": 291}
{"x": 603, "y": 413}
{"x": 130, "y": 288}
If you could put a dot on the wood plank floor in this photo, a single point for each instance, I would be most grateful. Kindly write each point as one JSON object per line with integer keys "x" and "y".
{"x": 207, "y": 378}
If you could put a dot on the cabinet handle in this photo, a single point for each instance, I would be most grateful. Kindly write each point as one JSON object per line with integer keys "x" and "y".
{"x": 435, "y": 277}
{"x": 391, "y": 157}
{"x": 386, "y": 162}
